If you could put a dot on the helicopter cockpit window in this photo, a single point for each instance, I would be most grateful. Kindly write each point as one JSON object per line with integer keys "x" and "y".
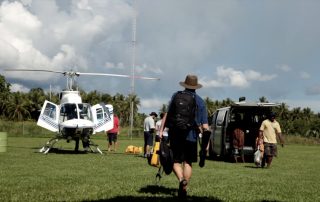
{"x": 68, "y": 111}
{"x": 84, "y": 111}
{"x": 50, "y": 111}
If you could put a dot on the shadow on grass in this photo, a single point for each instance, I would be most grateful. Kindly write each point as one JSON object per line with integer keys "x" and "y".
{"x": 253, "y": 166}
{"x": 62, "y": 151}
{"x": 154, "y": 189}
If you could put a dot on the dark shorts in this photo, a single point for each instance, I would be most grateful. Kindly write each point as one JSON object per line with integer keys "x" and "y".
{"x": 182, "y": 149}
{"x": 270, "y": 149}
{"x": 148, "y": 138}
{"x": 112, "y": 137}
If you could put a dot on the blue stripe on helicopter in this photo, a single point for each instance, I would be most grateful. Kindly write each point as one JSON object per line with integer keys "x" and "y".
{"x": 49, "y": 121}
{"x": 104, "y": 121}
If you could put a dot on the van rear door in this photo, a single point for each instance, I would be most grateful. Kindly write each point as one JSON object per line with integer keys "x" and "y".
{"x": 218, "y": 133}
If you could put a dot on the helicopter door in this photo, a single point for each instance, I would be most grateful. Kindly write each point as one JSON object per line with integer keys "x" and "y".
{"x": 48, "y": 118}
{"x": 102, "y": 117}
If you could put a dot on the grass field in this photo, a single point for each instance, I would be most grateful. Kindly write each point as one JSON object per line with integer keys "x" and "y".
{"x": 63, "y": 175}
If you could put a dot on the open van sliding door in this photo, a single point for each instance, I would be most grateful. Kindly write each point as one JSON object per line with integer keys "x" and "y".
{"x": 219, "y": 131}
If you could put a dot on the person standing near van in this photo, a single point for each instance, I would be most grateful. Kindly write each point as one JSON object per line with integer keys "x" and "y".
{"x": 270, "y": 129}
{"x": 183, "y": 134}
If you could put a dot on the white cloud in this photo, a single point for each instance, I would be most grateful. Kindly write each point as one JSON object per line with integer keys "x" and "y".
{"x": 152, "y": 104}
{"x": 15, "y": 87}
{"x": 228, "y": 76}
{"x": 284, "y": 67}
{"x": 35, "y": 39}
{"x": 305, "y": 75}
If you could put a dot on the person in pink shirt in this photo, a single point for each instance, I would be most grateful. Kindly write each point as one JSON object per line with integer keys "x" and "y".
{"x": 113, "y": 134}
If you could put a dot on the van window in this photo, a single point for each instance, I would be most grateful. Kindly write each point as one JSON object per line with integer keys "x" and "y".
{"x": 220, "y": 117}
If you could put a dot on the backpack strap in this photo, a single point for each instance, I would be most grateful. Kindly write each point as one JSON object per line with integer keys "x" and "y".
{"x": 158, "y": 175}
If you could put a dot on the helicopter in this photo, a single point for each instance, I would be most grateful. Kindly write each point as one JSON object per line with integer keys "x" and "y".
{"x": 72, "y": 119}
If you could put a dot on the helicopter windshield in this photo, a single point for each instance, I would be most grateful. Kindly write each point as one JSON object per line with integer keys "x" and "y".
{"x": 85, "y": 111}
{"x": 70, "y": 111}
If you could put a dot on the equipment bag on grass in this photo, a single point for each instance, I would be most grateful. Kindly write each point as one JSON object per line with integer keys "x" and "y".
{"x": 182, "y": 111}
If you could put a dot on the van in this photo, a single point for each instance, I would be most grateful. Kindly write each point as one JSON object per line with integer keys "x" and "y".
{"x": 244, "y": 115}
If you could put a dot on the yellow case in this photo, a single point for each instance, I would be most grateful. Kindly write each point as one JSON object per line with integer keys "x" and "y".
{"x": 155, "y": 161}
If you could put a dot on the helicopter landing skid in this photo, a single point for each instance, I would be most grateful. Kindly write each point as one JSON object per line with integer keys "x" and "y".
{"x": 95, "y": 146}
{"x": 46, "y": 148}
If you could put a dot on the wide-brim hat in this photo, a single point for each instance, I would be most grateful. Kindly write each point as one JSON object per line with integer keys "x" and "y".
{"x": 191, "y": 82}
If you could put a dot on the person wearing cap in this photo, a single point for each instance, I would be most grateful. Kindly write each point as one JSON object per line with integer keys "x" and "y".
{"x": 270, "y": 129}
{"x": 184, "y": 143}
{"x": 149, "y": 128}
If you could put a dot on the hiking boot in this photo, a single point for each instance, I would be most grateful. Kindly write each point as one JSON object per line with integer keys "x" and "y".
{"x": 182, "y": 192}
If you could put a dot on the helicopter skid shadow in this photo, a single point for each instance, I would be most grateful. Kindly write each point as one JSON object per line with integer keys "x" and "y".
{"x": 61, "y": 151}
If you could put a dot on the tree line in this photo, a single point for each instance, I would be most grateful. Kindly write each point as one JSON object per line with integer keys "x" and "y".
{"x": 20, "y": 106}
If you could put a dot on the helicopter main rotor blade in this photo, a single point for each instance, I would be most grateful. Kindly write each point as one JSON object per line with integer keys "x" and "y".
{"x": 119, "y": 75}
{"x": 72, "y": 73}
{"x": 36, "y": 70}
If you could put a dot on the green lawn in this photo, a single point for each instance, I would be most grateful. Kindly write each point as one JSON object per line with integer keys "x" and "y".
{"x": 62, "y": 175}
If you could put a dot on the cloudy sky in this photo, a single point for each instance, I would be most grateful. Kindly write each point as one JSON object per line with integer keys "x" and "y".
{"x": 237, "y": 48}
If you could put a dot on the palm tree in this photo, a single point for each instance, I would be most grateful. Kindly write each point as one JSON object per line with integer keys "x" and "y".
{"x": 118, "y": 103}
{"x": 307, "y": 113}
{"x": 135, "y": 101}
{"x": 211, "y": 108}
{"x": 4, "y": 94}
{"x": 263, "y": 99}
{"x": 93, "y": 97}
{"x": 36, "y": 97}
{"x": 18, "y": 107}
{"x": 106, "y": 98}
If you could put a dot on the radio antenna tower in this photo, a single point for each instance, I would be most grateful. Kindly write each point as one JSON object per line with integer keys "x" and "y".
{"x": 133, "y": 60}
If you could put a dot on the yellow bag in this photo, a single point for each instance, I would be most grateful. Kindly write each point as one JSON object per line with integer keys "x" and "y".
{"x": 133, "y": 149}
{"x": 155, "y": 161}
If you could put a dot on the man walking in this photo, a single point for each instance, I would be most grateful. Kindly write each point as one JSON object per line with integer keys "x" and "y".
{"x": 270, "y": 129}
{"x": 187, "y": 115}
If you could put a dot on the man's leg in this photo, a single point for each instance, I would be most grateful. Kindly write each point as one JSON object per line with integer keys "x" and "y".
{"x": 109, "y": 142}
{"x": 183, "y": 174}
{"x": 269, "y": 160}
{"x": 187, "y": 171}
{"x": 178, "y": 171}
{"x": 145, "y": 145}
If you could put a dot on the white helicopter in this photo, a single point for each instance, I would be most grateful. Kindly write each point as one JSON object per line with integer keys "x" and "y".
{"x": 72, "y": 119}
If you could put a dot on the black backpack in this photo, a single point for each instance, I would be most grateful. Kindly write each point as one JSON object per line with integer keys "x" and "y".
{"x": 182, "y": 111}
{"x": 166, "y": 157}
